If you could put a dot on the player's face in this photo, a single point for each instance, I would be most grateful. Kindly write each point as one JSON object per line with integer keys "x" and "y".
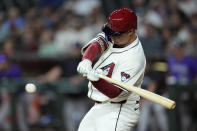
{"x": 123, "y": 39}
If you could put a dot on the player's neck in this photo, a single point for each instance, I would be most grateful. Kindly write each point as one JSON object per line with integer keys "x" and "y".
{"x": 133, "y": 38}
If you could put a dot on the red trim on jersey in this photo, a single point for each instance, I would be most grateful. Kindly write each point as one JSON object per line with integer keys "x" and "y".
{"x": 92, "y": 51}
{"x": 105, "y": 44}
{"x": 107, "y": 88}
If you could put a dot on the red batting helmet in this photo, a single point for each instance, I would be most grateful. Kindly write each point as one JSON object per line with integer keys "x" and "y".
{"x": 120, "y": 21}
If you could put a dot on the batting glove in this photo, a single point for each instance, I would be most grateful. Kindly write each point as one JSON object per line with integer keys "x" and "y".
{"x": 84, "y": 67}
{"x": 92, "y": 75}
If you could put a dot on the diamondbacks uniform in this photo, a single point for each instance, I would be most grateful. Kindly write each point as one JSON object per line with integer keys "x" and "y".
{"x": 126, "y": 65}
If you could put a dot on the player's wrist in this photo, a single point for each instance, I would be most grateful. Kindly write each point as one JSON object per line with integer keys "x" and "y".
{"x": 92, "y": 75}
{"x": 87, "y": 62}
{"x": 84, "y": 67}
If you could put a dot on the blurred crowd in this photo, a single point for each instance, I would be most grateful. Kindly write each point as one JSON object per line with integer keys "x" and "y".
{"x": 57, "y": 29}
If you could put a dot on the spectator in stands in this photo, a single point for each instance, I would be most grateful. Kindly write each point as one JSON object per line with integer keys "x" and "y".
{"x": 14, "y": 19}
{"x": 50, "y": 3}
{"x": 188, "y": 6}
{"x": 183, "y": 70}
{"x": 8, "y": 48}
{"x": 47, "y": 47}
{"x": 3, "y": 29}
{"x": 79, "y": 7}
{"x": 74, "y": 32}
{"x": 7, "y": 69}
{"x": 152, "y": 42}
{"x": 65, "y": 68}
{"x": 191, "y": 36}
{"x": 30, "y": 38}
{"x": 15, "y": 24}
{"x": 191, "y": 46}
{"x": 177, "y": 19}
{"x": 96, "y": 20}
{"x": 166, "y": 38}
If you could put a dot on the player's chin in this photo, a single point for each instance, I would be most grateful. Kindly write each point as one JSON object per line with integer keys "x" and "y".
{"x": 117, "y": 42}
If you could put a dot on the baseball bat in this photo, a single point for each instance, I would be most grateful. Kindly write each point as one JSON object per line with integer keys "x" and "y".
{"x": 143, "y": 93}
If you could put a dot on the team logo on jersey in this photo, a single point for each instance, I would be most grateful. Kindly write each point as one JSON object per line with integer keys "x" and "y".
{"x": 124, "y": 76}
{"x": 108, "y": 69}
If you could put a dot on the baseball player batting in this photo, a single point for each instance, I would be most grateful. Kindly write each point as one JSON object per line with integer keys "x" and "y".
{"x": 122, "y": 58}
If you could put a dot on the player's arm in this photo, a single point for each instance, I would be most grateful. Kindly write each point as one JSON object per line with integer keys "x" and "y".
{"x": 102, "y": 85}
{"x": 95, "y": 47}
{"x": 90, "y": 51}
{"x": 107, "y": 88}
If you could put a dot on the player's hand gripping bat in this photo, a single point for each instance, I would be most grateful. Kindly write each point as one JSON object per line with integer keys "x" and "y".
{"x": 143, "y": 93}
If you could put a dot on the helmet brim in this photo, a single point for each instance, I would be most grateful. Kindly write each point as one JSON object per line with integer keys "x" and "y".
{"x": 110, "y": 32}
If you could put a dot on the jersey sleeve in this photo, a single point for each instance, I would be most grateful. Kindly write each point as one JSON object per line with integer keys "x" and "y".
{"x": 101, "y": 38}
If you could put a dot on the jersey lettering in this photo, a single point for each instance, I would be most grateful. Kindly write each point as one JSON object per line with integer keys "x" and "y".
{"x": 108, "y": 69}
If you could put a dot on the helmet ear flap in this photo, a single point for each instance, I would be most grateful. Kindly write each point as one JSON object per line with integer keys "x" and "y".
{"x": 109, "y": 32}
{"x": 106, "y": 29}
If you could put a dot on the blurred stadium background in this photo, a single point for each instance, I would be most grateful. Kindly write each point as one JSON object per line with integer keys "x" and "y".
{"x": 40, "y": 42}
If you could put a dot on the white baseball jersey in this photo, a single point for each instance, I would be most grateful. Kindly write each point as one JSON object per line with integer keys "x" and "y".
{"x": 122, "y": 64}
